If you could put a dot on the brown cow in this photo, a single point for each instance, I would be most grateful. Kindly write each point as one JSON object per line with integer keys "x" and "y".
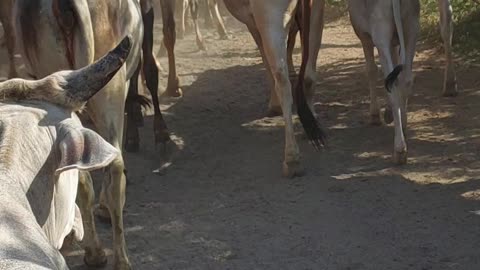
{"x": 269, "y": 21}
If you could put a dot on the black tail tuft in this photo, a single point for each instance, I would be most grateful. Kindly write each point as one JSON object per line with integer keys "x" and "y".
{"x": 143, "y": 101}
{"x": 392, "y": 77}
{"x": 312, "y": 128}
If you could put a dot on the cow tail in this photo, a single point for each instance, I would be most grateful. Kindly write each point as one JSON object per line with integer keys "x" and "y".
{"x": 312, "y": 128}
{"x": 73, "y": 19}
{"x": 397, "y": 16}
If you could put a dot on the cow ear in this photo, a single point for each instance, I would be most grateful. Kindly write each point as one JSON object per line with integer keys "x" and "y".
{"x": 83, "y": 149}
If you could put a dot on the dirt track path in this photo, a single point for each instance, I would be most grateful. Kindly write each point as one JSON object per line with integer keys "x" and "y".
{"x": 223, "y": 204}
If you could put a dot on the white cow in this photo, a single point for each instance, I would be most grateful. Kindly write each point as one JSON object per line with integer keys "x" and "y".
{"x": 43, "y": 146}
{"x": 56, "y": 35}
{"x": 388, "y": 25}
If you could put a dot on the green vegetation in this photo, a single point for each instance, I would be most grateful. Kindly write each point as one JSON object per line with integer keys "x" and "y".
{"x": 466, "y": 16}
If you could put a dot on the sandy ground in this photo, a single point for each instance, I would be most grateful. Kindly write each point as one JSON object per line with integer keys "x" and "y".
{"x": 223, "y": 204}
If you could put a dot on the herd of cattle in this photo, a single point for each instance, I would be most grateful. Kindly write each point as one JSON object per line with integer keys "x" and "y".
{"x": 46, "y": 154}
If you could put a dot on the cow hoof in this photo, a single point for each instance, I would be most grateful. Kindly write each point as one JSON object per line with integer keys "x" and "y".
{"x": 400, "y": 158}
{"x": 388, "y": 116}
{"x": 102, "y": 214}
{"x": 274, "y": 111}
{"x": 450, "y": 89}
{"x": 375, "y": 120}
{"x": 132, "y": 146}
{"x": 292, "y": 169}
{"x": 174, "y": 92}
{"x": 96, "y": 259}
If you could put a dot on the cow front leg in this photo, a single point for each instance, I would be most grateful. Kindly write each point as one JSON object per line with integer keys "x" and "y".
{"x": 94, "y": 253}
{"x": 446, "y": 28}
{"x": 168, "y": 7}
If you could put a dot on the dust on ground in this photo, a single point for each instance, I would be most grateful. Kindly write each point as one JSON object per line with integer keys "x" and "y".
{"x": 223, "y": 204}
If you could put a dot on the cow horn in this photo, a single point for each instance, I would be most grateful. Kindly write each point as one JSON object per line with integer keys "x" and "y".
{"x": 80, "y": 85}
{"x": 70, "y": 89}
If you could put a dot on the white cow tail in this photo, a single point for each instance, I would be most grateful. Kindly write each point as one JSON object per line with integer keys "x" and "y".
{"x": 397, "y": 16}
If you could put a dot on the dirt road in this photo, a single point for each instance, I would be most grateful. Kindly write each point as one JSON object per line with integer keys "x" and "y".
{"x": 223, "y": 204}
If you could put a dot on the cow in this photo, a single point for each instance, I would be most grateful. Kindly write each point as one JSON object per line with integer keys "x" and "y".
{"x": 43, "y": 149}
{"x": 6, "y": 20}
{"x": 392, "y": 27}
{"x": 149, "y": 73}
{"x": 73, "y": 33}
{"x": 268, "y": 22}
{"x": 450, "y": 88}
{"x": 149, "y": 68}
{"x": 212, "y": 9}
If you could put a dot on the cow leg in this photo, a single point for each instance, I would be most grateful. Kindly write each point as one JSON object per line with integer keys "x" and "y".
{"x": 151, "y": 74}
{"x": 6, "y": 20}
{"x": 406, "y": 78}
{"x": 395, "y": 96}
{"x": 388, "y": 114}
{"x": 273, "y": 32}
{"x": 213, "y": 9}
{"x": 372, "y": 73}
{"x": 168, "y": 7}
{"x": 316, "y": 34}
{"x": 194, "y": 11}
{"x": 446, "y": 27}
{"x": 274, "y": 108}
{"x": 292, "y": 38}
{"x": 108, "y": 117}
{"x": 181, "y": 33}
{"x": 134, "y": 114}
{"x": 206, "y": 13}
{"x": 94, "y": 253}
